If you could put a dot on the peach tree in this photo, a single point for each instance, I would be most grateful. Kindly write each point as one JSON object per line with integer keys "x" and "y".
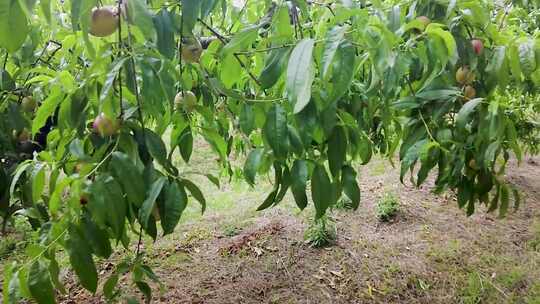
{"x": 97, "y": 97}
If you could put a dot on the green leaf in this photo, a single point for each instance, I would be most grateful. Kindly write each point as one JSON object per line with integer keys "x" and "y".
{"x": 6, "y": 81}
{"x": 80, "y": 257}
{"x": 157, "y": 148}
{"x": 190, "y": 12}
{"x": 497, "y": 69}
{"x": 110, "y": 285}
{"x": 276, "y": 132}
{"x": 411, "y": 156}
{"x": 321, "y": 190}
{"x": 175, "y": 204}
{"x": 269, "y": 201}
{"x": 350, "y": 186}
{"x": 165, "y": 33}
{"x": 54, "y": 270}
{"x": 464, "y": 113}
{"x": 111, "y": 77}
{"x": 97, "y": 237}
{"x": 343, "y": 71}
{"x": 334, "y": 37}
{"x": 140, "y": 15}
{"x": 273, "y": 67}
{"x": 196, "y": 192}
{"x": 300, "y": 74}
{"x": 38, "y": 181}
{"x": 146, "y": 291}
{"x": 13, "y": 25}
{"x": 185, "y": 144}
{"x": 527, "y": 57}
{"x": 46, "y": 9}
{"x": 252, "y": 165}
{"x": 449, "y": 41}
{"x": 129, "y": 176}
{"x": 247, "y": 119}
{"x": 299, "y": 178}
{"x": 438, "y": 94}
{"x": 148, "y": 205}
{"x": 39, "y": 283}
{"x": 337, "y": 150}
{"x": 240, "y": 41}
{"x": 47, "y": 108}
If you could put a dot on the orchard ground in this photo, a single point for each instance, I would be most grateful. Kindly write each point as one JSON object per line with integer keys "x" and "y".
{"x": 431, "y": 252}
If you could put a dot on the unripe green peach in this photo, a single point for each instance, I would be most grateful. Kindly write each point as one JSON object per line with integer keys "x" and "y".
{"x": 185, "y": 100}
{"x": 465, "y": 76}
{"x": 191, "y": 50}
{"x": 105, "y": 126}
{"x": 28, "y": 104}
{"x": 104, "y": 21}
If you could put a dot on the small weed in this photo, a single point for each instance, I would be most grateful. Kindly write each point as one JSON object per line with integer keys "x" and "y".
{"x": 344, "y": 203}
{"x": 321, "y": 232}
{"x": 231, "y": 230}
{"x": 513, "y": 279}
{"x": 7, "y": 246}
{"x": 447, "y": 255}
{"x": 534, "y": 242}
{"x": 477, "y": 289}
{"x": 387, "y": 207}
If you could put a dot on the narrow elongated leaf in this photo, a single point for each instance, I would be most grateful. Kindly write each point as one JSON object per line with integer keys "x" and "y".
{"x": 157, "y": 148}
{"x": 276, "y": 132}
{"x": 97, "y": 237}
{"x": 527, "y": 57}
{"x": 185, "y": 143}
{"x": 350, "y": 186}
{"x": 13, "y": 25}
{"x": 196, "y": 192}
{"x": 299, "y": 178}
{"x": 252, "y": 165}
{"x": 47, "y": 109}
{"x": 247, "y": 119}
{"x": 337, "y": 150}
{"x": 80, "y": 256}
{"x": 148, "y": 204}
{"x": 300, "y": 74}
{"x": 274, "y": 66}
{"x": 321, "y": 190}
{"x": 140, "y": 15}
{"x": 333, "y": 39}
{"x": 39, "y": 283}
{"x": 240, "y": 41}
{"x": 38, "y": 182}
{"x": 175, "y": 204}
{"x": 463, "y": 114}
{"x": 190, "y": 12}
{"x": 343, "y": 72}
{"x": 165, "y": 33}
{"x": 129, "y": 177}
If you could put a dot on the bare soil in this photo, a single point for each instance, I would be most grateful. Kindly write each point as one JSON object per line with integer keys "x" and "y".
{"x": 430, "y": 253}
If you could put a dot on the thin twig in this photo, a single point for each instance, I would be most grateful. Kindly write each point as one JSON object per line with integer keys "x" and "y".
{"x": 141, "y": 119}
{"x": 221, "y": 38}
{"x": 506, "y": 12}
{"x": 120, "y": 47}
